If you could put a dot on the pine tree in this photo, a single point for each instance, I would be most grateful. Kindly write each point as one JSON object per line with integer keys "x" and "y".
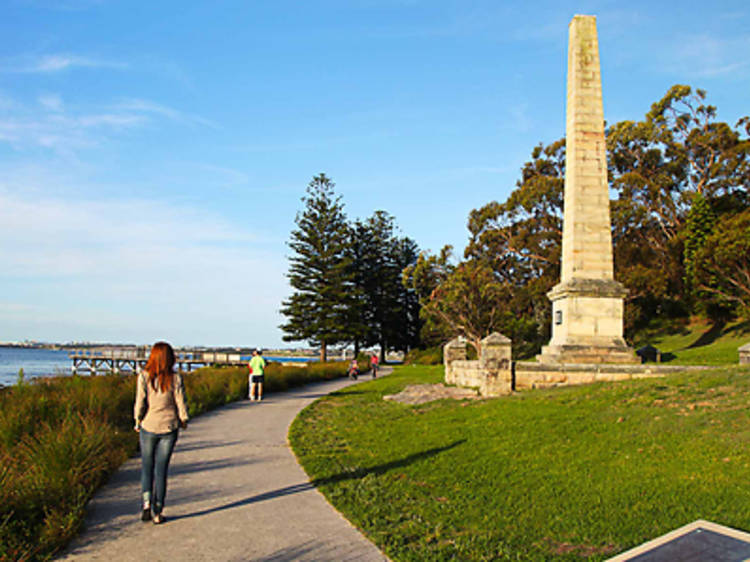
{"x": 323, "y": 303}
{"x": 358, "y": 256}
{"x": 389, "y": 312}
{"x": 698, "y": 226}
{"x": 407, "y": 324}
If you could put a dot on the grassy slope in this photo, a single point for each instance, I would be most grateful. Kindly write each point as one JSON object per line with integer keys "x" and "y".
{"x": 548, "y": 474}
{"x": 699, "y": 342}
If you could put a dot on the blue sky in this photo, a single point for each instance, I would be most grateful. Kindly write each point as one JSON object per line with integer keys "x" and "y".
{"x": 153, "y": 155}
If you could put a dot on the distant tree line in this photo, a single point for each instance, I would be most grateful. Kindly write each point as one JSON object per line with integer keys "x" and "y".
{"x": 346, "y": 278}
{"x": 680, "y": 226}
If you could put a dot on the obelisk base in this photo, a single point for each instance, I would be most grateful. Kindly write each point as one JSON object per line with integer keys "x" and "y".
{"x": 587, "y": 319}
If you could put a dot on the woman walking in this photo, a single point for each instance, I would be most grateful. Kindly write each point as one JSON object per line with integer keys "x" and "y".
{"x": 159, "y": 411}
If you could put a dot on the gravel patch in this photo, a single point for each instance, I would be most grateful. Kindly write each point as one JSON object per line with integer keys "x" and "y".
{"x": 422, "y": 393}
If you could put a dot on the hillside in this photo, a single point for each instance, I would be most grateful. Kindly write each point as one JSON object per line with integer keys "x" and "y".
{"x": 697, "y": 341}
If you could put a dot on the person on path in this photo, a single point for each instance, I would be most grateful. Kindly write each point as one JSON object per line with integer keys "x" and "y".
{"x": 353, "y": 369}
{"x": 256, "y": 366}
{"x": 159, "y": 413}
{"x": 374, "y": 364}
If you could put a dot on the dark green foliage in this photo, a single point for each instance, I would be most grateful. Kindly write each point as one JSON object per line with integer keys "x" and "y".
{"x": 698, "y": 226}
{"x": 722, "y": 263}
{"x": 406, "y": 323}
{"x": 61, "y": 437}
{"x": 347, "y": 278}
{"x": 388, "y": 311}
{"x": 422, "y": 278}
{"x": 677, "y": 156}
{"x": 471, "y": 302}
{"x": 322, "y": 307}
{"x": 429, "y": 356}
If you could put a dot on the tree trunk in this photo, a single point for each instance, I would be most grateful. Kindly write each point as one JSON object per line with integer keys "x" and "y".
{"x": 356, "y": 348}
{"x": 382, "y": 352}
{"x": 323, "y": 351}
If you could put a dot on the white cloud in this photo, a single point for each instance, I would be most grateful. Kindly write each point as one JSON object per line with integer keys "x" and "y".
{"x": 179, "y": 269}
{"x": 704, "y": 55}
{"x": 54, "y": 63}
{"x": 63, "y": 133}
{"x": 59, "y": 237}
{"x": 51, "y": 102}
{"x": 54, "y": 125}
{"x": 149, "y": 107}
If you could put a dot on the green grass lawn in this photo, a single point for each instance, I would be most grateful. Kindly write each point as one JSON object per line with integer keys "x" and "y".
{"x": 698, "y": 342}
{"x": 557, "y": 474}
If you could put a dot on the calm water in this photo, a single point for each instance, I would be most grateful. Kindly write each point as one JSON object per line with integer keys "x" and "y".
{"x": 48, "y": 362}
{"x": 35, "y": 363}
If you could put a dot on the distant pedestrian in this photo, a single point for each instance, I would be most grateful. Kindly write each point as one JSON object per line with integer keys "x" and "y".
{"x": 374, "y": 364}
{"x": 159, "y": 411}
{"x": 257, "y": 367}
{"x": 353, "y": 369}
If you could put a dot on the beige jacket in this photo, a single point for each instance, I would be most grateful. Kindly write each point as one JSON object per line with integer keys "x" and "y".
{"x": 156, "y": 411}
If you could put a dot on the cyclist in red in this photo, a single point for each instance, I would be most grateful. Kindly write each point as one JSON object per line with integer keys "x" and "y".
{"x": 353, "y": 369}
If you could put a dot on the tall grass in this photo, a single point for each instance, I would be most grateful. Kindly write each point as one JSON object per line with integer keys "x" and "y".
{"x": 61, "y": 437}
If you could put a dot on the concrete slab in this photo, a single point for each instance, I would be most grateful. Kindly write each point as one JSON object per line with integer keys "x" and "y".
{"x": 236, "y": 492}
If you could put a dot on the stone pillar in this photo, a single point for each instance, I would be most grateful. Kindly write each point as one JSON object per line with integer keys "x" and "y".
{"x": 454, "y": 350}
{"x": 496, "y": 364}
{"x": 587, "y": 304}
{"x": 744, "y": 352}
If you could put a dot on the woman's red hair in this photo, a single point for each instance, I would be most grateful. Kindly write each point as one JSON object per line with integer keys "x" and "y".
{"x": 160, "y": 366}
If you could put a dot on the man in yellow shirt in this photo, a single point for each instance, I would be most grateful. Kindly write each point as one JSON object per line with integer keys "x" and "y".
{"x": 257, "y": 365}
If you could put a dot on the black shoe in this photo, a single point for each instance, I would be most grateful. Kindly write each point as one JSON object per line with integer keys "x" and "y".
{"x": 146, "y": 514}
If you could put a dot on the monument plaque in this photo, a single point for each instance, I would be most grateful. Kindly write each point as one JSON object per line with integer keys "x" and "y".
{"x": 587, "y": 304}
{"x": 699, "y": 541}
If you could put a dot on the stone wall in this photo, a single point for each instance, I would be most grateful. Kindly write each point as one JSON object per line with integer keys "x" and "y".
{"x": 491, "y": 374}
{"x": 539, "y": 375}
{"x": 495, "y": 374}
{"x": 745, "y": 354}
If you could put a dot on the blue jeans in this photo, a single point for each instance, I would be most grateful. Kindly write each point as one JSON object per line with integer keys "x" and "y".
{"x": 156, "y": 450}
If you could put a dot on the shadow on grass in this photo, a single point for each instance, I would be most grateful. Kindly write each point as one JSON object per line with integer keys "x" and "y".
{"x": 348, "y": 392}
{"x": 741, "y": 329}
{"x": 351, "y": 475}
{"x": 668, "y": 356}
{"x": 709, "y": 336}
{"x": 383, "y": 468}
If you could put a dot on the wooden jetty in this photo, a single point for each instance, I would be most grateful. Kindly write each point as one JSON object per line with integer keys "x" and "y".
{"x": 95, "y": 360}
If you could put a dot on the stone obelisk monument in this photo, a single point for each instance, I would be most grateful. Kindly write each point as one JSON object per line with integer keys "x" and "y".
{"x": 587, "y": 304}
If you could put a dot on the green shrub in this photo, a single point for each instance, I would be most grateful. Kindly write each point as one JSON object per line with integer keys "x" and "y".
{"x": 429, "y": 356}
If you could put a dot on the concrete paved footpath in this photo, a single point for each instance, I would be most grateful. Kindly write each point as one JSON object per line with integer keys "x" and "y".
{"x": 235, "y": 492}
